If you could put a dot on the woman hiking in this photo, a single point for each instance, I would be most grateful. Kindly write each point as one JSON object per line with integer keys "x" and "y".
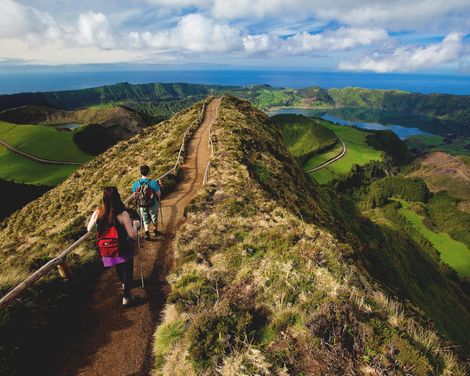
{"x": 115, "y": 232}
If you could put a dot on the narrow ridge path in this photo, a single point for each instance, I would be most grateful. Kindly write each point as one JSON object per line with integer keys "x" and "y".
{"x": 117, "y": 341}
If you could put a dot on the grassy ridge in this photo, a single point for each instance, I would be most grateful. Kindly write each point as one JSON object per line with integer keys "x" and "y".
{"x": 33, "y": 235}
{"x": 262, "y": 287}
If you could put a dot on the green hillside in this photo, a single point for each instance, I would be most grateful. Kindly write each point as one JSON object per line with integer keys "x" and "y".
{"x": 42, "y": 141}
{"x": 161, "y": 100}
{"x": 273, "y": 274}
{"x": 304, "y": 136}
{"x": 452, "y": 252}
{"x": 33, "y": 235}
{"x": 103, "y": 95}
{"x": 19, "y": 169}
{"x": 453, "y": 108}
{"x": 359, "y": 152}
{"x": 268, "y": 279}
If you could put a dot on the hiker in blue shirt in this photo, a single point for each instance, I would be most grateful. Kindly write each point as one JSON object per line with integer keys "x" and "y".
{"x": 147, "y": 195}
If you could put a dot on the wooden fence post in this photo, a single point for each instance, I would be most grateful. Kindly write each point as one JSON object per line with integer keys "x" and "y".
{"x": 65, "y": 271}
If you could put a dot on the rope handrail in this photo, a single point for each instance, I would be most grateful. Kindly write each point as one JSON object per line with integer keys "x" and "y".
{"x": 60, "y": 259}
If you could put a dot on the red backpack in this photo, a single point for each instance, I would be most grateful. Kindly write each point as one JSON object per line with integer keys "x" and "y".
{"x": 107, "y": 241}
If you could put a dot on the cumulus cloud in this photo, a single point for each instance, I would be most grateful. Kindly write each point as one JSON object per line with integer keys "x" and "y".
{"x": 193, "y": 33}
{"x": 410, "y": 58}
{"x": 94, "y": 29}
{"x": 153, "y": 30}
{"x": 304, "y": 43}
{"x": 438, "y": 15}
{"x": 16, "y": 19}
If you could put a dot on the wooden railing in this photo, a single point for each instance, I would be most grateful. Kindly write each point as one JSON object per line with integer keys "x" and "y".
{"x": 60, "y": 260}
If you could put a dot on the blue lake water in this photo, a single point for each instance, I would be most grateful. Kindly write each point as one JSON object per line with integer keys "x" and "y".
{"x": 15, "y": 81}
{"x": 67, "y": 127}
{"x": 367, "y": 119}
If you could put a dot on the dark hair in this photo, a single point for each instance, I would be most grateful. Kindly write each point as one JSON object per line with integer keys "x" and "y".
{"x": 112, "y": 206}
{"x": 144, "y": 170}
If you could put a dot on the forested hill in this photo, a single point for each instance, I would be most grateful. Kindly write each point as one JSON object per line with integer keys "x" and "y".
{"x": 121, "y": 92}
{"x": 455, "y": 109}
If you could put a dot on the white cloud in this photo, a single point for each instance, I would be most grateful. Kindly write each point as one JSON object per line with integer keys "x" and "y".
{"x": 304, "y": 43}
{"x": 410, "y": 58}
{"x": 94, "y": 29}
{"x": 16, "y": 19}
{"x": 437, "y": 15}
{"x": 152, "y": 30}
{"x": 193, "y": 33}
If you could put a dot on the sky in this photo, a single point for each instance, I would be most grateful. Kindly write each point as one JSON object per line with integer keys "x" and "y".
{"x": 339, "y": 35}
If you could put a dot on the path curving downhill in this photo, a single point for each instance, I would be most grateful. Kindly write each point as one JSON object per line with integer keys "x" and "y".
{"x": 37, "y": 159}
{"x": 331, "y": 160}
{"x": 118, "y": 341}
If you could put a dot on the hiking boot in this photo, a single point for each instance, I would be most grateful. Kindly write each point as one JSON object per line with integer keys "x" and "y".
{"x": 127, "y": 301}
{"x": 147, "y": 235}
{"x": 156, "y": 232}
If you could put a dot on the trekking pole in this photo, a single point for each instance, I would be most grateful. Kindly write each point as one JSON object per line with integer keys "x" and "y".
{"x": 161, "y": 212}
{"x": 140, "y": 259}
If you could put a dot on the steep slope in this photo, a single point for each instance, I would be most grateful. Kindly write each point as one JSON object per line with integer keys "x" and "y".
{"x": 268, "y": 279}
{"x": 304, "y": 136}
{"x": 444, "y": 172}
{"x": 105, "y": 126}
{"x": 35, "y": 234}
{"x": 93, "y": 351}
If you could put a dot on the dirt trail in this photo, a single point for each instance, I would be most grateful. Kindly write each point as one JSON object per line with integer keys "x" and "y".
{"x": 118, "y": 341}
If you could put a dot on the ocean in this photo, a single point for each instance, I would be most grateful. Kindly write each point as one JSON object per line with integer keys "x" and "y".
{"x": 49, "y": 80}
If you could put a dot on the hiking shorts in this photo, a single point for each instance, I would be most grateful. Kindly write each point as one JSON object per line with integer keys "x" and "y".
{"x": 150, "y": 214}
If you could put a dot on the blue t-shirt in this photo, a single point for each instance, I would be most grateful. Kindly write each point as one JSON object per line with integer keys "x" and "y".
{"x": 153, "y": 185}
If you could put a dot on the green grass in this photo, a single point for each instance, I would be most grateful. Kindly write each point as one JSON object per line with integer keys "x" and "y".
{"x": 304, "y": 136}
{"x": 435, "y": 142}
{"x": 452, "y": 252}
{"x": 42, "y": 141}
{"x": 23, "y": 170}
{"x": 359, "y": 152}
{"x": 107, "y": 105}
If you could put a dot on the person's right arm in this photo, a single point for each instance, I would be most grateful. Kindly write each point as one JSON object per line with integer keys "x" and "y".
{"x": 92, "y": 221}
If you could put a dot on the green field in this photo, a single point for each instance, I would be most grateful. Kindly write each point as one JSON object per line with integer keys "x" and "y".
{"x": 452, "y": 252}
{"x": 22, "y": 170}
{"x": 359, "y": 152}
{"x": 455, "y": 146}
{"x": 42, "y": 141}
